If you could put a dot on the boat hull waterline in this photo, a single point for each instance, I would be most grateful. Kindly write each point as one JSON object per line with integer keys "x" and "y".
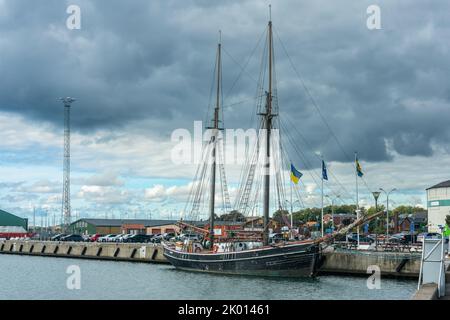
{"x": 296, "y": 260}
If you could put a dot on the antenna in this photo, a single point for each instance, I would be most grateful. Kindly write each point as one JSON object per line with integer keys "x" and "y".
{"x": 220, "y": 36}
{"x": 66, "y": 163}
{"x": 270, "y": 12}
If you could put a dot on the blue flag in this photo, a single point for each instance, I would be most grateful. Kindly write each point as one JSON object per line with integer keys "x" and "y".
{"x": 324, "y": 171}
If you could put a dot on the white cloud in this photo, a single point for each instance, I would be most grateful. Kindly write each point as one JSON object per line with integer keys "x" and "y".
{"x": 157, "y": 192}
{"x": 41, "y": 186}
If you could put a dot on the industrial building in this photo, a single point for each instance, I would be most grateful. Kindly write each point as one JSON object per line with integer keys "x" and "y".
{"x": 438, "y": 204}
{"x": 140, "y": 226}
{"x": 12, "y": 225}
{"x": 9, "y": 220}
{"x": 116, "y": 226}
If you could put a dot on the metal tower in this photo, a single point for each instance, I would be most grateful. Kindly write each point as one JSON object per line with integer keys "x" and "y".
{"x": 66, "y": 164}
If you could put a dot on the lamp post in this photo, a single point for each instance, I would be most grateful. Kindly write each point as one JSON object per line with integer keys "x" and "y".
{"x": 332, "y": 207}
{"x": 387, "y": 209}
{"x": 292, "y": 215}
{"x": 376, "y": 195}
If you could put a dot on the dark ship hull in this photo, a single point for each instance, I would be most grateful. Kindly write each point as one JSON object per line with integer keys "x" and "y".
{"x": 290, "y": 260}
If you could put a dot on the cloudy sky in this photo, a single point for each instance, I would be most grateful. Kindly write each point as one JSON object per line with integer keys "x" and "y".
{"x": 141, "y": 69}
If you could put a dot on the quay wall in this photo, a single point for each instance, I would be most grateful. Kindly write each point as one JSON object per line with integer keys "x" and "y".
{"x": 353, "y": 262}
{"x": 349, "y": 262}
{"x": 138, "y": 252}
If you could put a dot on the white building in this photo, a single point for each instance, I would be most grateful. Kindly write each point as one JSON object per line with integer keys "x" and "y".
{"x": 438, "y": 205}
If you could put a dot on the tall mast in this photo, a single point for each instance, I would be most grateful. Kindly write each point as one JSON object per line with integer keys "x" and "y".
{"x": 66, "y": 164}
{"x": 268, "y": 125}
{"x": 215, "y": 129}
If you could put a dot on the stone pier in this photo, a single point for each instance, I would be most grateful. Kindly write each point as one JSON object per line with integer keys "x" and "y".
{"x": 138, "y": 252}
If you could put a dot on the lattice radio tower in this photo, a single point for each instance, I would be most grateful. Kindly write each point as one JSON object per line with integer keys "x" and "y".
{"x": 66, "y": 164}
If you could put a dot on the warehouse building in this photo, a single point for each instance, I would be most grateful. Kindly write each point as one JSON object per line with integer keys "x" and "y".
{"x": 438, "y": 204}
{"x": 116, "y": 226}
{"x": 9, "y": 220}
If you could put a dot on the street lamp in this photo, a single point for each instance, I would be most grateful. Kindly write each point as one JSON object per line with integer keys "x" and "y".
{"x": 332, "y": 207}
{"x": 292, "y": 214}
{"x": 376, "y": 194}
{"x": 387, "y": 209}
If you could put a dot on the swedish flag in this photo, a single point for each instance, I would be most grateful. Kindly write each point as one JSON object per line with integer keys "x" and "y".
{"x": 295, "y": 174}
{"x": 358, "y": 168}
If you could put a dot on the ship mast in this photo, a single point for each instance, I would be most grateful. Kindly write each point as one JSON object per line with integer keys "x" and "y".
{"x": 268, "y": 125}
{"x": 215, "y": 129}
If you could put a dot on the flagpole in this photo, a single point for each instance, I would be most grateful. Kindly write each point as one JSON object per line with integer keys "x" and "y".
{"x": 321, "y": 215}
{"x": 357, "y": 200}
{"x": 292, "y": 211}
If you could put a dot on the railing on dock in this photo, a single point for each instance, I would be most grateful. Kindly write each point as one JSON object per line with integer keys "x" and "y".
{"x": 432, "y": 264}
{"x": 381, "y": 246}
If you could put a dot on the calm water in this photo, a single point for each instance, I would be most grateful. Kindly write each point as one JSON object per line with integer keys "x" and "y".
{"x": 25, "y": 277}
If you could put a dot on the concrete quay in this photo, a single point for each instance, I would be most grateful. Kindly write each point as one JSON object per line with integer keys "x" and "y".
{"x": 340, "y": 261}
{"x": 430, "y": 291}
{"x": 137, "y": 252}
{"x": 361, "y": 262}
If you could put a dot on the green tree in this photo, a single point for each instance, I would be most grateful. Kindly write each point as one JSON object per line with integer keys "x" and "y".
{"x": 278, "y": 215}
{"x": 372, "y": 210}
{"x": 233, "y": 215}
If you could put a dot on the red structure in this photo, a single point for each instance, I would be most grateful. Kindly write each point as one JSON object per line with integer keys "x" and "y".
{"x": 9, "y": 235}
{"x": 221, "y": 228}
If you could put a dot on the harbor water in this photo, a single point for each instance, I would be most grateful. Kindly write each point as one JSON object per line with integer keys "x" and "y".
{"x": 29, "y": 277}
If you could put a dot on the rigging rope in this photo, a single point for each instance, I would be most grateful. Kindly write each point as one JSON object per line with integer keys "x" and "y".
{"x": 317, "y": 107}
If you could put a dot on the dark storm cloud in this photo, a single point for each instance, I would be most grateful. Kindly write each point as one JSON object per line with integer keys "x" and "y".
{"x": 135, "y": 60}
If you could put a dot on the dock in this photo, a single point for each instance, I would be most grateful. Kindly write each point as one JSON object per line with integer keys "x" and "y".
{"x": 429, "y": 291}
{"x": 338, "y": 261}
{"x": 136, "y": 252}
{"x": 360, "y": 262}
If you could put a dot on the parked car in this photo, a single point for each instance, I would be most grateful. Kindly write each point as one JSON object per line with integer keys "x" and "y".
{"x": 275, "y": 237}
{"x": 116, "y": 238}
{"x": 190, "y": 236}
{"x": 175, "y": 239}
{"x": 94, "y": 237}
{"x": 353, "y": 237}
{"x": 124, "y": 237}
{"x": 73, "y": 238}
{"x": 428, "y": 235}
{"x": 340, "y": 237}
{"x": 121, "y": 237}
{"x": 157, "y": 238}
{"x": 168, "y": 235}
{"x": 57, "y": 237}
{"x": 403, "y": 238}
{"x": 106, "y": 238}
{"x": 139, "y": 238}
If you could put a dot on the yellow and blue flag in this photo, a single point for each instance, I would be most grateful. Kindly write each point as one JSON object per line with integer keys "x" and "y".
{"x": 295, "y": 174}
{"x": 358, "y": 168}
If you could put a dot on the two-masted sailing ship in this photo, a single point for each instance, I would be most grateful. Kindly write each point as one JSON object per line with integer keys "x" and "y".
{"x": 243, "y": 256}
{"x": 251, "y": 254}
